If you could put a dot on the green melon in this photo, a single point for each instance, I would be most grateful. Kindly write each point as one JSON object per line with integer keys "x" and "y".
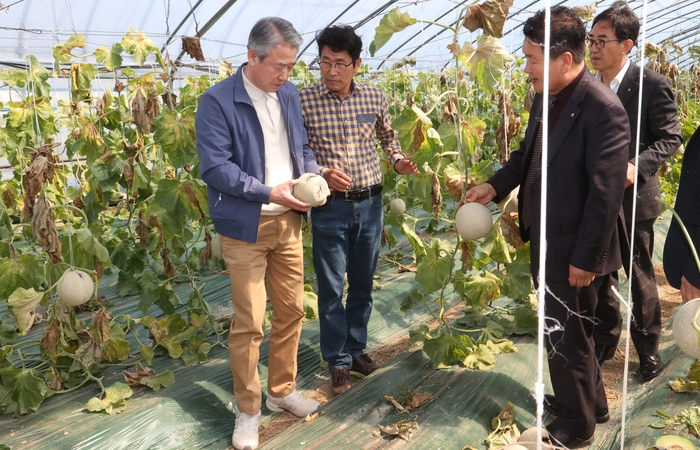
{"x": 684, "y": 333}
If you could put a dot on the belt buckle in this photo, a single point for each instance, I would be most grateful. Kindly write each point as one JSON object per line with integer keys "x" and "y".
{"x": 347, "y": 195}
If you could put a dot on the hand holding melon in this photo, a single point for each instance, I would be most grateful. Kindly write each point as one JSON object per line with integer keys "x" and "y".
{"x": 312, "y": 189}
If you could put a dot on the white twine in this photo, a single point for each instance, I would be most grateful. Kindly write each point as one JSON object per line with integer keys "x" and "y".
{"x": 632, "y": 230}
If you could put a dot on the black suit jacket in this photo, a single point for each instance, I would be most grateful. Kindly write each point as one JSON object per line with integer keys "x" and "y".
{"x": 587, "y": 163}
{"x": 659, "y": 138}
{"x": 678, "y": 260}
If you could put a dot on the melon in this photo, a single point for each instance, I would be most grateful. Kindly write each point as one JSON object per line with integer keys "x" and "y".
{"x": 528, "y": 439}
{"x": 75, "y": 288}
{"x": 490, "y": 141}
{"x": 312, "y": 189}
{"x": 473, "y": 221}
{"x": 684, "y": 333}
{"x": 672, "y": 442}
{"x": 510, "y": 203}
{"x": 216, "y": 248}
{"x": 397, "y": 206}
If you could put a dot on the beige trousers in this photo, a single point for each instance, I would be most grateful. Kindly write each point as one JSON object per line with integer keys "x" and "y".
{"x": 273, "y": 266}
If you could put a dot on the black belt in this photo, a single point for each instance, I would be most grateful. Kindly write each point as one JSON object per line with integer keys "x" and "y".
{"x": 358, "y": 194}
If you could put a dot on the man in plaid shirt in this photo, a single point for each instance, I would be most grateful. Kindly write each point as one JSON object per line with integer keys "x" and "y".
{"x": 344, "y": 119}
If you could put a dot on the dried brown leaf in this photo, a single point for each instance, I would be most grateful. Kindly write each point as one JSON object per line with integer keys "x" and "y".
{"x": 205, "y": 256}
{"x": 168, "y": 267}
{"x": 192, "y": 47}
{"x": 143, "y": 229}
{"x": 51, "y": 340}
{"x": 101, "y": 332}
{"x": 134, "y": 378}
{"x": 44, "y": 229}
{"x": 455, "y": 186}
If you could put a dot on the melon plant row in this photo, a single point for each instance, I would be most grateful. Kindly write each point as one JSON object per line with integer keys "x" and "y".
{"x": 109, "y": 184}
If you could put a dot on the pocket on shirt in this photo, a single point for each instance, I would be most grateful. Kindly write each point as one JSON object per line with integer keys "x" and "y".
{"x": 365, "y": 125}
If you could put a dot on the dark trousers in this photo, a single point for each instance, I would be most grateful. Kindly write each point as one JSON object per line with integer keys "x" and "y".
{"x": 573, "y": 368}
{"x": 646, "y": 310}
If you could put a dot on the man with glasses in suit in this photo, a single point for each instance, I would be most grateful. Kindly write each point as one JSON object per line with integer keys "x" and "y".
{"x": 613, "y": 35}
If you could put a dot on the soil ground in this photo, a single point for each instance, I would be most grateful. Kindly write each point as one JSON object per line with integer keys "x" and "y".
{"x": 612, "y": 370}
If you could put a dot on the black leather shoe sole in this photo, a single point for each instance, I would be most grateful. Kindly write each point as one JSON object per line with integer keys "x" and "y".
{"x": 560, "y": 438}
{"x": 551, "y": 405}
{"x": 649, "y": 373}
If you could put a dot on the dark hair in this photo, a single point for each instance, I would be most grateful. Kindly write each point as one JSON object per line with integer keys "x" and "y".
{"x": 623, "y": 21}
{"x": 340, "y": 38}
{"x": 568, "y": 33}
{"x": 269, "y": 32}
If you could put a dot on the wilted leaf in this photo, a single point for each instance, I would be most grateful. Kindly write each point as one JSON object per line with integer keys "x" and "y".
{"x": 148, "y": 377}
{"x": 489, "y": 16}
{"x": 586, "y": 13}
{"x": 62, "y": 52}
{"x": 683, "y": 385}
{"x": 114, "y": 400}
{"x": 89, "y": 353}
{"x": 44, "y": 229}
{"x": 505, "y": 418}
{"x": 136, "y": 43}
{"x": 29, "y": 391}
{"x": 413, "y": 297}
{"x": 482, "y": 358}
{"x": 21, "y": 304}
{"x": 403, "y": 429}
{"x": 391, "y": 23}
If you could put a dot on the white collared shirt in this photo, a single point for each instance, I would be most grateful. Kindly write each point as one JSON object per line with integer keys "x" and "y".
{"x": 615, "y": 82}
{"x": 278, "y": 161}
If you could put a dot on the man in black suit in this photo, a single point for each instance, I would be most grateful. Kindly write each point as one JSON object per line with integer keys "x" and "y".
{"x": 587, "y": 160}
{"x": 679, "y": 264}
{"x": 614, "y": 32}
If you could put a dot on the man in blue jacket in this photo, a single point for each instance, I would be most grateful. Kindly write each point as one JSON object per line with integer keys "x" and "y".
{"x": 252, "y": 147}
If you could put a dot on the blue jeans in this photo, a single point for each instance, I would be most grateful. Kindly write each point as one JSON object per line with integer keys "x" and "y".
{"x": 345, "y": 234}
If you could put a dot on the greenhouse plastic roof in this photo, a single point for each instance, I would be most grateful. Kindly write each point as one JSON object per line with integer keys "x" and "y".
{"x": 34, "y": 26}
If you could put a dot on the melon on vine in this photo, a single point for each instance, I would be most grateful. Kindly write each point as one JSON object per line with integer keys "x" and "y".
{"x": 312, "y": 189}
{"x": 216, "y": 248}
{"x": 75, "y": 288}
{"x": 672, "y": 442}
{"x": 397, "y": 206}
{"x": 528, "y": 439}
{"x": 473, "y": 221}
{"x": 685, "y": 334}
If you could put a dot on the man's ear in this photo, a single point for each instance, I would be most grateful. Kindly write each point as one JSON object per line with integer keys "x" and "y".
{"x": 252, "y": 57}
{"x": 566, "y": 60}
{"x": 627, "y": 45}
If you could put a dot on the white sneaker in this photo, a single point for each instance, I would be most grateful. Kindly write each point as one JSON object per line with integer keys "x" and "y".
{"x": 245, "y": 431}
{"x": 295, "y": 403}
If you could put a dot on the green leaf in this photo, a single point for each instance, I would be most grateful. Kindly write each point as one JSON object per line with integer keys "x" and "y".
{"x": 487, "y": 65}
{"x": 419, "y": 334}
{"x": 114, "y": 400}
{"x": 310, "y": 303}
{"x": 21, "y": 304}
{"x": 169, "y": 332}
{"x": 517, "y": 280}
{"x": 195, "y": 350}
{"x": 160, "y": 292}
{"x": 29, "y": 391}
{"x": 413, "y": 297}
{"x": 5, "y": 223}
{"x": 478, "y": 290}
{"x": 136, "y": 43}
{"x": 82, "y": 75}
{"x": 111, "y": 58}
{"x": 447, "y": 350}
{"x": 183, "y": 200}
{"x": 496, "y": 246}
{"x": 39, "y": 74}
{"x": 410, "y": 126}
{"x": 8, "y": 334}
{"x": 62, "y": 52}
{"x": 525, "y": 321}
{"x": 694, "y": 373}
{"x": 176, "y": 136}
{"x": 433, "y": 269}
{"x": 26, "y": 272}
{"x": 391, "y": 23}
{"x": 156, "y": 382}
{"x": 117, "y": 348}
{"x": 408, "y": 229}
{"x": 147, "y": 353}
{"x": 92, "y": 245}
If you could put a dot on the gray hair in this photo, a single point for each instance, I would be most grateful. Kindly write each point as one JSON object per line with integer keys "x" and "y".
{"x": 269, "y": 32}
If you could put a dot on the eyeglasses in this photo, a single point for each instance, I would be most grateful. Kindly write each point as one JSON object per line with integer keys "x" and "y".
{"x": 340, "y": 67}
{"x": 600, "y": 43}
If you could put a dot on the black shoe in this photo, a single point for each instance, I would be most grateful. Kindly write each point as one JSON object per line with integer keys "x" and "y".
{"x": 560, "y": 438}
{"x": 341, "y": 380}
{"x": 650, "y": 366}
{"x": 604, "y": 353}
{"x": 362, "y": 365}
{"x": 551, "y": 405}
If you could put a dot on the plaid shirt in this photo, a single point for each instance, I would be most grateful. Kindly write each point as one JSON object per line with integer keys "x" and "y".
{"x": 343, "y": 133}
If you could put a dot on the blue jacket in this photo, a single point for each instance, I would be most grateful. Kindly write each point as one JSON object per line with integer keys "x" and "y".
{"x": 232, "y": 153}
